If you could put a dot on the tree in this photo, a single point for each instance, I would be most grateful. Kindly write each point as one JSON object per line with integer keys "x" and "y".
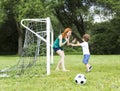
{"x": 105, "y": 36}
{"x": 26, "y": 9}
{"x": 20, "y": 9}
{"x": 3, "y": 15}
{"x": 107, "y": 8}
{"x": 70, "y": 12}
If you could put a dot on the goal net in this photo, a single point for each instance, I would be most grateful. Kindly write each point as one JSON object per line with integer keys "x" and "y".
{"x": 37, "y": 53}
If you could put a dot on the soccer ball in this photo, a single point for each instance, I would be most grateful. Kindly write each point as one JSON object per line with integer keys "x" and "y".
{"x": 80, "y": 79}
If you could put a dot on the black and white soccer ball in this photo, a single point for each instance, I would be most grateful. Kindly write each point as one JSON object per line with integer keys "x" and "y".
{"x": 80, "y": 79}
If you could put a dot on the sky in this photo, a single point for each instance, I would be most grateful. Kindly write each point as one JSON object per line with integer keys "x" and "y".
{"x": 100, "y": 17}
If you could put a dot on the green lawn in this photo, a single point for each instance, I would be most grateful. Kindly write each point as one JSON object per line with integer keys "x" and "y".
{"x": 105, "y": 75}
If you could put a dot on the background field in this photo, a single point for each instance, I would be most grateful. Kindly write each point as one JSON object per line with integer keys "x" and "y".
{"x": 105, "y": 75}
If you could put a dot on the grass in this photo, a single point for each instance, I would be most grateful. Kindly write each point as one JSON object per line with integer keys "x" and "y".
{"x": 105, "y": 75}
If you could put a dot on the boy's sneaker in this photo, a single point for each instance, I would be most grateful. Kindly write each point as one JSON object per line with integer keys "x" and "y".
{"x": 90, "y": 68}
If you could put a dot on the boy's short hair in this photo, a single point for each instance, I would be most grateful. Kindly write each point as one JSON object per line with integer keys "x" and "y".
{"x": 86, "y": 37}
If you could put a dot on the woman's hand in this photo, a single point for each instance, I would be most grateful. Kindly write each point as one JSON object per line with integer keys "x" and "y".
{"x": 66, "y": 39}
{"x": 62, "y": 43}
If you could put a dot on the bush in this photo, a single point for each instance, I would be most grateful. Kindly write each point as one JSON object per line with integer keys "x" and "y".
{"x": 105, "y": 39}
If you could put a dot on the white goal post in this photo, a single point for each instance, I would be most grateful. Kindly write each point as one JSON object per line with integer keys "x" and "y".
{"x": 48, "y": 39}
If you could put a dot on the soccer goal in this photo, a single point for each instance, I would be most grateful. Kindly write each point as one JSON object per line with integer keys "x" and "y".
{"x": 37, "y": 52}
{"x": 37, "y": 49}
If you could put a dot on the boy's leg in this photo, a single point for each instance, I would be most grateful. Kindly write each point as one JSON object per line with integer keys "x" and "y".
{"x": 87, "y": 66}
{"x": 85, "y": 61}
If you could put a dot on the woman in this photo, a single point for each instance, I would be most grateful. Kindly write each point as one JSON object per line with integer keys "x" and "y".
{"x": 58, "y": 47}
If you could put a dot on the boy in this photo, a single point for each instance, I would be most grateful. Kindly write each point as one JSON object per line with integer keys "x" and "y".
{"x": 85, "y": 49}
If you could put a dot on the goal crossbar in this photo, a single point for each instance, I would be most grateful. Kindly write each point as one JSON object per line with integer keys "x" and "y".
{"x": 37, "y": 20}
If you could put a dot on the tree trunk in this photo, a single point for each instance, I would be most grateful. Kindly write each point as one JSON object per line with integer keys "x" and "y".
{"x": 79, "y": 23}
{"x": 20, "y": 39}
{"x": 20, "y": 43}
{"x": 80, "y": 27}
